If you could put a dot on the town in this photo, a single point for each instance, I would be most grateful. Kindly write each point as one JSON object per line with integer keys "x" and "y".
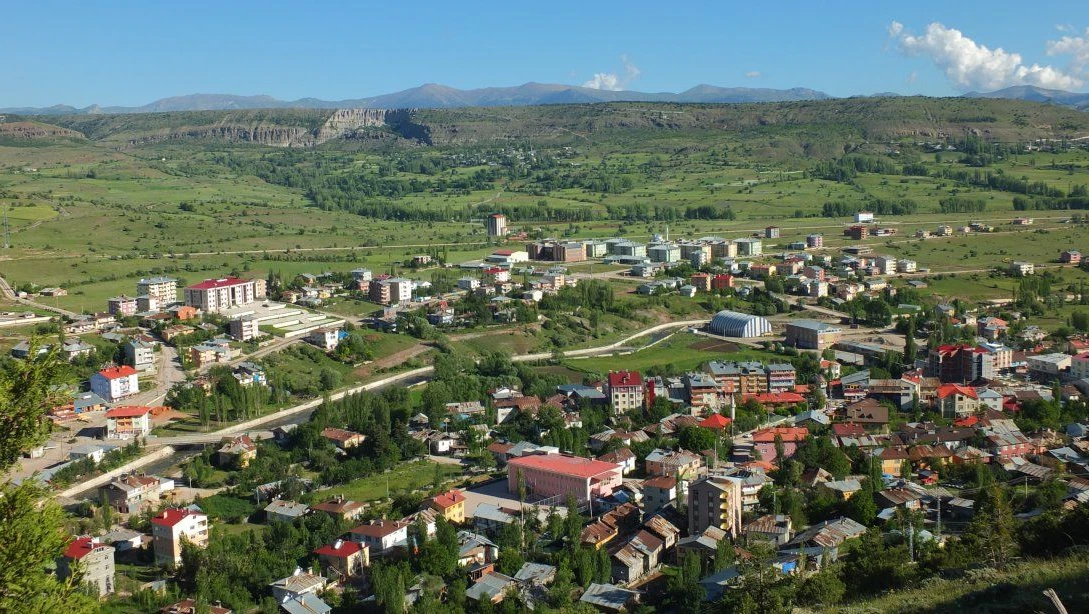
{"x": 841, "y": 412}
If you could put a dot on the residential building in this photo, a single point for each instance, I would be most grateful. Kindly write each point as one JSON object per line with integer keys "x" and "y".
{"x": 121, "y": 306}
{"x": 868, "y": 412}
{"x": 771, "y": 232}
{"x": 93, "y": 561}
{"x": 702, "y": 281}
{"x": 164, "y": 289}
{"x": 245, "y": 328}
{"x": 722, "y": 282}
{"x": 864, "y": 217}
{"x": 664, "y": 252}
{"x": 131, "y": 493}
{"x": 626, "y": 390}
{"x": 749, "y": 247}
{"x": 341, "y": 509}
{"x": 348, "y": 558}
{"x": 609, "y": 597}
{"x": 283, "y": 510}
{"x": 637, "y": 557}
{"x": 128, "y": 421}
{"x": 679, "y": 464}
{"x": 497, "y": 225}
{"x": 189, "y": 606}
{"x": 1079, "y": 366}
{"x": 296, "y": 585}
{"x": 960, "y": 364}
{"x": 811, "y": 334}
{"x": 173, "y": 526}
{"x": 237, "y": 451}
{"x": 956, "y": 401}
{"x": 814, "y": 241}
{"x": 390, "y": 290}
{"x": 715, "y": 502}
{"x": 658, "y": 492}
{"x": 906, "y": 266}
{"x": 141, "y": 355}
{"x": 886, "y": 265}
{"x": 342, "y": 438}
{"x": 781, "y": 377}
{"x": 775, "y": 528}
{"x": 1021, "y": 268}
{"x": 1049, "y": 364}
{"x": 148, "y": 304}
{"x": 1070, "y": 256}
{"x": 766, "y": 440}
{"x": 451, "y": 504}
{"x": 380, "y": 535}
{"x": 216, "y": 295}
{"x": 559, "y": 475}
{"x": 325, "y": 338}
{"x": 744, "y": 378}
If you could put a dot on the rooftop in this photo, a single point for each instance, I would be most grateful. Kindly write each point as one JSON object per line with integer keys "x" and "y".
{"x": 567, "y": 465}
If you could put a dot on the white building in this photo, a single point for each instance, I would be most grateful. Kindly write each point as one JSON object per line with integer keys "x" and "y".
{"x": 906, "y": 266}
{"x": 1079, "y": 366}
{"x": 749, "y": 247}
{"x": 245, "y": 328}
{"x": 164, "y": 289}
{"x": 215, "y": 295}
{"x": 468, "y": 283}
{"x": 380, "y": 535}
{"x": 885, "y": 264}
{"x": 863, "y": 217}
{"x": 171, "y": 527}
{"x": 326, "y": 338}
{"x": 141, "y": 354}
{"x": 128, "y": 422}
{"x": 1049, "y": 364}
{"x": 1022, "y": 269}
{"x": 115, "y": 383}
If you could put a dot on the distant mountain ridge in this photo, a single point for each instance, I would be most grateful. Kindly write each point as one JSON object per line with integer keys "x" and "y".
{"x": 436, "y": 96}
{"x": 1037, "y": 94}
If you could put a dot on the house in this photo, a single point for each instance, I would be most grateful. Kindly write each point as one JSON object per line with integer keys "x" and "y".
{"x": 490, "y": 518}
{"x": 131, "y": 493}
{"x": 491, "y": 587}
{"x": 95, "y": 452}
{"x": 189, "y": 606}
{"x": 325, "y": 338}
{"x": 637, "y": 557}
{"x": 844, "y": 489}
{"x": 956, "y": 401}
{"x": 703, "y": 544}
{"x": 674, "y": 463}
{"x": 94, "y": 562}
{"x": 348, "y": 558}
{"x": 380, "y": 535}
{"x": 776, "y": 528}
{"x": 829, "y": 533}
{"x": 173, "y": 526}
{"x": 343, "y": 439}
{"x": 282, "y": 510}
{"x": 1070, "y": 256}
{"x": 115, "y": 383}
{"x": 1022, "y": 269}
{"x": 659, "y": 492}
{"x": 536, "y": 574}
{"x": 341, "y": 509}
{"x": 855, "y": 386}
{"x": 237, "y": 451}
{"x": 75, "y": 348}
{"x": 306, "y": 603}
{"x": 892, "y": 460}
{"x": 621, "y": 456}
{"x": 765, "y": 440}
{"x": 124, "y": 540}
{"x": 298, "y": 583}
{"x": 609, "y": 597}
{"x": 898, "y": 497}
{"x": 451, "y": 504}
{"x": 867, "y": 412}
{"x": 128, "y": 421}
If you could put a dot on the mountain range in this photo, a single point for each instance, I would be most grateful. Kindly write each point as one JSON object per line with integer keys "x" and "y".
{"x": 436, "y": 96}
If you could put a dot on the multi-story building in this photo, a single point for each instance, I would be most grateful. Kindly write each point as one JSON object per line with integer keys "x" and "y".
{"x": 146, "y": 303}
{"x": 497, "y": 225}
{"x": 380, "y": 535}
{"x": 216, "y": 295}
{"x": 674, "y": 463}
{"x": 122, "y": 306}
{"x": 1079, "y": 366}
{"x": 1021, "y": 268}
{"x": 701, "y": 281}
{"x": 450, "y": 504}
{"x": 744, "y": 378}
{"x": 115, "y": 383}
{"x": 131, "y": 493}
{"x": 886, "y": 265}
{"x": 1049, "y": 364}
{"x": 664, "y": 252}
{"x": 857, "y": 232}
{"x": 165, "y": 289}
{"x": 128, "y": 421}
{"x": 658, "y": 492}
{"x": 960, "y": 364}
{"x": 781, "y": 377}
{"x": 715, "y": 502}
{"x": 811, "y": 334}
{"x": 814, "y": 241}
{"x": 956, "y": 401}
{"x": 906, "y": 266}
{"x": 173, "y": 526}
{"x": 625, "y": 390}
{"x": 560, "y": 475}
{"x": 749, "y": 247}
{"x": 1070, "y": 256}
{"x": 391, "y": 290}
{"x": 771, "y": 232}
{"x": 1003, "y": 355}
{"x": 348, "y": 558}
{"x": 245, "y": 328}
{"x": 326, "y": 338}
{"x": 141, "y": 355}
{"x": 94, "y": 561}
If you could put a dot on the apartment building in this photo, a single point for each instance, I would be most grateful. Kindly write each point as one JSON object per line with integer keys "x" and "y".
{"x": 173, "y": 526}
{"x": 216, "y": 295}
{"x": 164, "y": 289}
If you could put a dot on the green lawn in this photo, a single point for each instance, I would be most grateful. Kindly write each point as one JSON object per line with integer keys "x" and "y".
{"x": 682, "y": 351}
{"x": 406, "y": 477}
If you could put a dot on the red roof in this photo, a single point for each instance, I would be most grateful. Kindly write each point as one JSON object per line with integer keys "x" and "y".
{"x": 503, "y": 252}
{"x": 619, "y": 379}
{"x": 848, "y": 429}
{"x": 777, "y": 398}
{"x": 448, "y": 499}
{"x": 788, "y": 433}
{"x": 81, "y": 547}
{"x": 210, "y": 284}
{"x": 173, "y": 516}
{"x": 117, "y": 372}
{"x": 715, "y": 421}
{"x": 128, "y": 411}
{"x": 567, "y": 465}
{"x": 946, "y": 390}
{"x": 379, "y": 529}
{"x": 969, "y": 421}
{"x": 346, "y": 549}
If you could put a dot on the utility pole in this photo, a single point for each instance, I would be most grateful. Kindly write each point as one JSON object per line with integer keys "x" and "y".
{"x": 911, "y": 540}
{"x": 939, "y": 528}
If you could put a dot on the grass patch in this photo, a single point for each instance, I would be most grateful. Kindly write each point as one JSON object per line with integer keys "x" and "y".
{"x": 406, "y": 477}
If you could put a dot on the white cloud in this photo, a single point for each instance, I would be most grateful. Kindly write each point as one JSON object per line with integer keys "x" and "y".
{"x": 613, "y": 81}
{"x": 753, "y": 74}
{"x": 1077, "y": 47}
{"x": 913, "y": 77}
{"x": 970, "y": 65}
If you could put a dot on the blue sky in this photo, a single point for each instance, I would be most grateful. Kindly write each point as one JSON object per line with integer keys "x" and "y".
{"x": 130, "y": 53}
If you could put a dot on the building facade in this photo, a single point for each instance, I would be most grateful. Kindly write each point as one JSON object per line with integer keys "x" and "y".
{"x": 715, "y": 502}
{"x": 558, "y": 475}
{"x": 173, "y": 526}
{"x": 216, "y": 295}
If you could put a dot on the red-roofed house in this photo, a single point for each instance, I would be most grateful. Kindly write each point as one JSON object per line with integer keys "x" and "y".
{"x": 956, "y": 401}
{"x": 95, "y": 563}
{"x": 764, "y": 440}
{"x": 215, "y": 295}
{"x": 551, "y": 475}
{"x": 115, "y": 383}
{"x": 625, "y": 390}
{"x": 128, "y": 421}
{"x": 715, "y": 421}
{"x": 348, "y": 558}
{"x": 777, "y": 398}
{"x": 380, "y": 535}
{"x": 342, "y": 438}
{"x": 450, "y": 504}
{"x": 173, "y": 525}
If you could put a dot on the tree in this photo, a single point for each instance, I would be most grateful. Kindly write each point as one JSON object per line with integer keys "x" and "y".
{"x": 31, "y": 523}
{"x": 685, "y": 592}
{"x": 992, "y": 530}
{"x": 822, "y": 588}
{"x": 861, "y": 507}
{"x": 910, "y": 348}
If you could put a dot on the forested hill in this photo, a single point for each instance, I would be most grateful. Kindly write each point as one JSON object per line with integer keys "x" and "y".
{"x": 824, "y": 128}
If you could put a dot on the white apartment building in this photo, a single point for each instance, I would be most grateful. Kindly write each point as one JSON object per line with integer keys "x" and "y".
{"x": 215, "y": 295}
{"x": 173, "y": 525}
{"x": 165, "y": 289}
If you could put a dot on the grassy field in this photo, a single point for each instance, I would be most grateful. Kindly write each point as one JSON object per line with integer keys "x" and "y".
{"x": 406, "y": 477}
{"x": 682, "y": 351}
